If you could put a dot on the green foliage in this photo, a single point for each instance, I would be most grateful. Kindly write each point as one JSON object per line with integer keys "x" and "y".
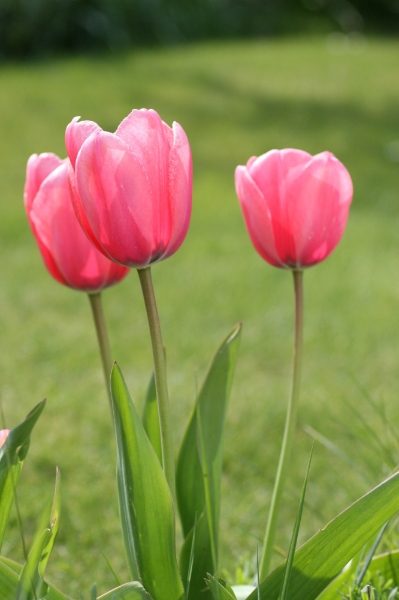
{"x": 284, "y": 595}
{"x": 322, "y": 557}
{"x": 199, "y": 470}
{"x": 31, "y": 584}
{"x": 145, "y": 501}
{"x": 380, "y": 582}
{"x": 368, "y": 592}
{"x": 151, "y": 418}
{"x": 128, "y": 591}
{"x": 12, "y": 455}
{"x": 219, "y": 589}
{"x": 9, "y": 581}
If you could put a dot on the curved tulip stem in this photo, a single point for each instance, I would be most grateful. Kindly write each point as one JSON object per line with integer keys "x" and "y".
{"x": 102, "y": 337}
{"x": 289, "y": 430}
{"x": 160, "y": 375}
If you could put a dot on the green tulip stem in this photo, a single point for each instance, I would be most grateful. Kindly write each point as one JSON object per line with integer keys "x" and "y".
{"x": 102, "y": 337}
{"x": 289, "y": 431}
{"x": 160, "y": 375}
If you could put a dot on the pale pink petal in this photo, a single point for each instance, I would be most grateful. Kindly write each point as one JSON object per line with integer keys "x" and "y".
{"x": 149, "y": 140}
{"x": 79, "y": 210}
{"x": 37, "y": 169}
{"x": 177, "y": 209}
{"x": 269, "y": 172}
{"x": 76, "y": 133}
{"x": 76, "y": 259}
{"x": 318, "y": 197}
{"x": 116, "y": 198}
{"x": 251, "y": 160}
{"x": 257, "y": 216}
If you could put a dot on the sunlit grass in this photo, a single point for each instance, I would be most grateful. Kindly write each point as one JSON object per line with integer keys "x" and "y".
{"x": 234, "y": 100}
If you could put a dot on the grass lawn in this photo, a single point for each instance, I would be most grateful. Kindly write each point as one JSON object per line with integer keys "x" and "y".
{"x": 234, "y": 100}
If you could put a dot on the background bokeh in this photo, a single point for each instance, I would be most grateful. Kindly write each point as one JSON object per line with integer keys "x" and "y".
{"x": 43, "y": 26}
{"x": 321, "y": 85}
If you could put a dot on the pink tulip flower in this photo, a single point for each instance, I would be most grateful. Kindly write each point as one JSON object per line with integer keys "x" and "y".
{"x": 134, "y": 186}
{"x": 295, "y": 205}
{"x": 3, "y": 436}
{"x": 67, "y": 253}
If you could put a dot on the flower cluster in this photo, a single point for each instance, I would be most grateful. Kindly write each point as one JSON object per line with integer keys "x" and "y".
{"x": 123, "y": 200}
{"x": 120, "y": 200}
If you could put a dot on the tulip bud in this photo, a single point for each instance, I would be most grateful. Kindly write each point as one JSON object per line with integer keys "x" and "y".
{"x": 295, "y": 205}
{"x": 134, "y": 186}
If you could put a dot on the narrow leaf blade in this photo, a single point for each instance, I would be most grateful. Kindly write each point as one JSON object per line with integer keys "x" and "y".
{"x": 199, "y": 469}
{"x": 294, "y": 538}
{"x": 12, "y": 455}
{"x": 212, "y": 402}
{"x": 151, "y": 418}
{"x": 145, "y": 500}
{"x": 9, "y": 577}
{"x": 31, "y": 581}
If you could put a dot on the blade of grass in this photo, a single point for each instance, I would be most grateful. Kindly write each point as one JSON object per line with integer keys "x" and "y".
{"x": 322, "y": 558}
{"x": 294, "y": 539}
{"x": 370, "y": 555}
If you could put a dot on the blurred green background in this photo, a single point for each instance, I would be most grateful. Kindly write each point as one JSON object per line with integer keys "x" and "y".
{"x": 329, "y": 89}
{"x": 43, "y": 26}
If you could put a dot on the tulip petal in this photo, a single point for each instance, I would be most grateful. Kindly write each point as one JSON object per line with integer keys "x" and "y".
{"x": 149, "y": 139}
{"x": 79, "y": 212}
{"x": 76, "y": 133}
{"x": 257, "y": 216}
{"x": 37, "y": 169}
{"x": 269, "y": 172}
{"x": 115, "y": 194}
{"x": 318, "y": 197}
{"x": 74, "y": 260}
{"x": 179, "y": 203}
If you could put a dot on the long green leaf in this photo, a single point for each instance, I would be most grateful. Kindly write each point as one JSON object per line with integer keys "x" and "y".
{"x": 151, "y": 418}
{"x": 31, "y": 581}
{"x": 145, "y": 501}
{"x": 323, "y": 557}
{"x": 196, "y": 559}
{"x": 9, "y": 577}
{"x": 199, "y": 467}
{"x": 127, "y": 591}
{"x": 12, "y": 455}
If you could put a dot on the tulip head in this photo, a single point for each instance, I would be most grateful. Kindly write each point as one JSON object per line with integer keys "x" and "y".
{"x": 3, "y": 436}
{"x": 134, "y": 186}
{"x": 67, "y": 253}
{"x": 295, "y": 205}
